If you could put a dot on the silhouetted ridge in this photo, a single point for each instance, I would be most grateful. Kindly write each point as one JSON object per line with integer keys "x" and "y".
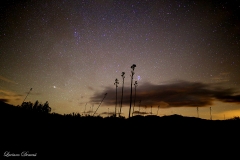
{"x": 30, "y": 130}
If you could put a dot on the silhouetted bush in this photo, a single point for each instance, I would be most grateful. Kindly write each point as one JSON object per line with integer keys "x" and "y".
{"x": 235, "y": 118}
{"x": 36, "y": 107}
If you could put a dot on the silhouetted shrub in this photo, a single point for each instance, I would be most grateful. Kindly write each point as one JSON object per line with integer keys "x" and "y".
{"x": 235, "y": 118}
{"x": 36, "y": 107}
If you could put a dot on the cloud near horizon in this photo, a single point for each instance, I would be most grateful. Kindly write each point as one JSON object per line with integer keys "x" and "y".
{"x": 7, "y": 80}
{"x": 177, "y": 94}
{"x": 9, "y": 96}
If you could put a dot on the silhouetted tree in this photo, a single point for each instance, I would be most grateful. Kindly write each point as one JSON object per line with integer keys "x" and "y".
{"x": 46, "y": 108}
{"x": 36, "y": 107}
{"x": 116, "y": 84}
{"x": 133, "y": 67}
{"x": 123, "y": 73}
{"x": 27, "y": 105}
{"x": 235, "y": 118}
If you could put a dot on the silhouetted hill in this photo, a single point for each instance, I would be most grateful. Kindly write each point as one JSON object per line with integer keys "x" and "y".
{"x": 74, "y": 135}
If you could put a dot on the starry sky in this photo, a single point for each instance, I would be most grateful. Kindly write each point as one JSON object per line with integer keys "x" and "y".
{"x": 186, "y": 52}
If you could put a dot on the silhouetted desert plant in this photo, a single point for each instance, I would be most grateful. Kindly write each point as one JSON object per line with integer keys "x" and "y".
{"x": 236, "y": 118}
{"x": 36, "y": 107}
{"x": 135, "y": 84}
{"x": 132, "y": 73}
{"x": 123, "y": 73}
{"x": 116, "y": 84}
{"x": 100, "y": 103}
{"x": 27, "y": 95}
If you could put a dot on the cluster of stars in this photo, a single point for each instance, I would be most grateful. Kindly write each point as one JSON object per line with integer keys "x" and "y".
{"x": 74, "y": 45}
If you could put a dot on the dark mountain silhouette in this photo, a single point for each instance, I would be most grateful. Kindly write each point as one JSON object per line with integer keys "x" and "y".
{"x": 73, "y": 135}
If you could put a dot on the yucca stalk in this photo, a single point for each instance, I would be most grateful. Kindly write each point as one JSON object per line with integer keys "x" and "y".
{"x": 116, "y": 84}
{"x": 135, "y": 84}
{"x": 133, "y": 67}
{"x": 123, "y": 73}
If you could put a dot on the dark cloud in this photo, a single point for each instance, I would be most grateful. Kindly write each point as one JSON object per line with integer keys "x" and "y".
{"x": 176, "y": 94}
{"x": 4, "y": 100}
{"x": 140, "y": 113}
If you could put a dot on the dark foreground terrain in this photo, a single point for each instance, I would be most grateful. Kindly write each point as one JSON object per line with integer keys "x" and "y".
{"x": 150, "y": 137}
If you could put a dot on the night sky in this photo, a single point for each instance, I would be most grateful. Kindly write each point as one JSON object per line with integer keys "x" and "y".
{"x": 187, "y": 55}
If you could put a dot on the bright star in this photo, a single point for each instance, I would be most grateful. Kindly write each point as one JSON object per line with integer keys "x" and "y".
{"x": 139, "y": 78}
